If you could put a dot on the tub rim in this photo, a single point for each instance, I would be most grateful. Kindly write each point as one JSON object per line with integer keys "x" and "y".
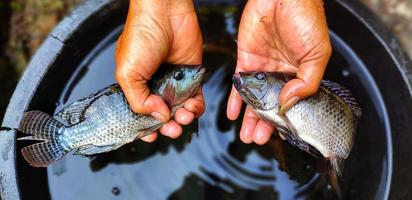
{"x": 30, "y": 81}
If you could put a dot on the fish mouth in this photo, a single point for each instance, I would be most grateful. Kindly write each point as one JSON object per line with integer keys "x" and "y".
{"x": 201, "y": 70}
{"x": 199, "y": 73}
{"x": 244, "y": 92}
{"x": 238, "y": 83}
{"x": 198, "y": 78}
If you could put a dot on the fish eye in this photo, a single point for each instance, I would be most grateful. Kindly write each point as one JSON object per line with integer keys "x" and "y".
{"x": 260, "y": 76}
{"x": 178, "y": 75}
{"x": 257, "y": 104}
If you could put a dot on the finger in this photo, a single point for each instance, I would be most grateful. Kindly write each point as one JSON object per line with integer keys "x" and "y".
{"x": 299, "y": 88}
{"x": 295, "y": 90}
{"x": 234, "y": 104}
{"x": 183, "y": 116}
{"x": 196, "y": 104}
{"x": 248, "y": 126}
{"x": 150, "y": 138}
{"x": 307, "y": 80}
{"x": 262, "y": 133}
{"x": 171, "y": 129}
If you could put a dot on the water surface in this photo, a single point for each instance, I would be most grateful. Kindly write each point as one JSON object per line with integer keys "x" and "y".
{"x": 209, "y": 161}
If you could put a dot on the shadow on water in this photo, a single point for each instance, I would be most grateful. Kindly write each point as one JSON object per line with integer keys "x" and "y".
{"x": 209, "y": 161}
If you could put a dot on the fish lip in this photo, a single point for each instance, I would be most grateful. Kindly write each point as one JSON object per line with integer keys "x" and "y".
{"x": 244, "y": 92}
{"x": 198, "y": 78}
{"x": 201, "y": 70}
{"x": 199, "y": 73}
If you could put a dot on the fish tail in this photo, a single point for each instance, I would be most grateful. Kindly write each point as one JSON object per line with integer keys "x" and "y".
{"x": 43, "y": 127}
{"x": 44, "y": 153}
{"x": 337, "y": 165}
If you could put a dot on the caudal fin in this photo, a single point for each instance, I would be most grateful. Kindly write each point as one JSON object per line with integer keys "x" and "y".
{"x": 43, "y": 127}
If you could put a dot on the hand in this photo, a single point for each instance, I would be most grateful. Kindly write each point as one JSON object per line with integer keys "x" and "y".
{"x": 158, "y": 31}
{"x": 280, "y": 35}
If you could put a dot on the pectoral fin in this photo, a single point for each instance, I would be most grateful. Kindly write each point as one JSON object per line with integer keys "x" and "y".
{"x": 149, "y": 130}
{"x": 294, "y": 139}
{"x": 337, "y": 165}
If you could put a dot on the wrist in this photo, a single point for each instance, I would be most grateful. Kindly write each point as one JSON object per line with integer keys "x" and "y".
{"x": 170, "y": 7}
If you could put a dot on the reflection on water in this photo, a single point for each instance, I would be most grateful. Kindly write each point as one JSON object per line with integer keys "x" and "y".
{"x": 209, "y": 161}
{"x": 214, "y": 157}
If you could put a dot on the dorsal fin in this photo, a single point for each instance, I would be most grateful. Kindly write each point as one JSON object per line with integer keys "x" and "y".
{"x": 74, "y": 112}
{"x": 345, "y": 94}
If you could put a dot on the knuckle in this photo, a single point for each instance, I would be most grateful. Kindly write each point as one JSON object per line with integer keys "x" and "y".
{"x": 202, "y": 110}
{"x": 312, "y": 87}
{"x": 137, "y": 107}
{"x": 118, "y": 45}
{"x": 120, "y": 75}
{"x": 199, "y": 108}
{"x": 199, "y": 113}
{"x": 328, "y": 50}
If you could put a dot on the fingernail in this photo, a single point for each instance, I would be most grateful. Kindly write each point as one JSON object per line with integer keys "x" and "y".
{"x": 288, "y": 105}
{"x": 159, "y": 116}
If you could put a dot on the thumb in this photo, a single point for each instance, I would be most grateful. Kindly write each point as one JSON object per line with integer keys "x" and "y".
{"x": 134, "y": 67}
{"x": 139, "y": 97}
{"x": 306, "y": 83}
{"x": 140, "y": 50}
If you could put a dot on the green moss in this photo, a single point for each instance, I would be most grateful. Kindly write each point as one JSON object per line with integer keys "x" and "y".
{"x": 24, "y": 25}
{"x": 16, "y": 6}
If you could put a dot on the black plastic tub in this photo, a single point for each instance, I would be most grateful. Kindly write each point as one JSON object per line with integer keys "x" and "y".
{"x": 77, "y": 58}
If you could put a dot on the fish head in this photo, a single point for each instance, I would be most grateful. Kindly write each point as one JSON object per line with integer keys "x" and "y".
{"x": 179, "y": 83}
{"x": 260, "y": 90}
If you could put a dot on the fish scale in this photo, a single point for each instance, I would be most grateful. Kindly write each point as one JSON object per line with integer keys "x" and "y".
{"x": 123, "y": 124}
{"x": 324, "y": 123}
{"x": 327, "y": 115}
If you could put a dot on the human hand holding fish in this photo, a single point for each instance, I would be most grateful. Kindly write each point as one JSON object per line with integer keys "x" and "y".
{"x": 277, "y": 36}
{"x": 155, "y": 32}
{"x": 323, "y": 125}
{"x": 284, "y": 36}
{"x": 104, "y": 121}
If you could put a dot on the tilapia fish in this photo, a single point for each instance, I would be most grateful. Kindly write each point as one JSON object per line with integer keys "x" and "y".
{"x": 103, "y": 121}
{"x": 323, "y": 124}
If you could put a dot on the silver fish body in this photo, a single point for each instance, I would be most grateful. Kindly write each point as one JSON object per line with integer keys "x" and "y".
{"x": 324, "y": 123}
{"x": 110, "y": 124}
{"x": 103, "y": 121}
